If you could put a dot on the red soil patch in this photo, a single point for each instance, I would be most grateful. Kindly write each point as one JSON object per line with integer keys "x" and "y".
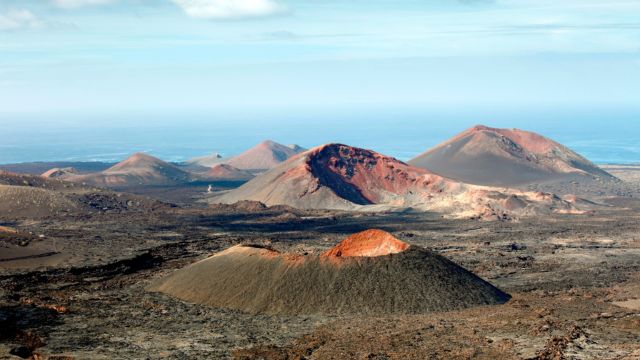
{"x": 368, "y": 243}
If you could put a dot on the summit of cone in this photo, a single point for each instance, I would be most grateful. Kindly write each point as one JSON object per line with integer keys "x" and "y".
{"x": 368, "y": 243}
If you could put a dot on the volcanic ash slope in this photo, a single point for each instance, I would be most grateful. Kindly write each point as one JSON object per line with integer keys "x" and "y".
{"x": 342, "y": 177}
{"x": 370, "y": 273}
{"x": 506, "y": 157}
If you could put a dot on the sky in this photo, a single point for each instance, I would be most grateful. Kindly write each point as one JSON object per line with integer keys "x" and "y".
{"x": 172, "y": 56}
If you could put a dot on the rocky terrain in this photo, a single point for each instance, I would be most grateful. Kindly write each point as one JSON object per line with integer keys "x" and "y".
{"x": 574, "y": 282}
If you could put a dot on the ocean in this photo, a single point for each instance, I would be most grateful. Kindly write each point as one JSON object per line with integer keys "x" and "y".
{"x": 603, "y": 136}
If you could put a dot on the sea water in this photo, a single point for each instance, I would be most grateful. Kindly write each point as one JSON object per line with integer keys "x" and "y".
{"x": 603, "y": 136}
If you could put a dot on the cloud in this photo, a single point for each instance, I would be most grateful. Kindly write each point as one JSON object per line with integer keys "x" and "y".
{"x": 229, "y": 9}
{"x": 20, "y": 20}
{"x": 72, "y": 4}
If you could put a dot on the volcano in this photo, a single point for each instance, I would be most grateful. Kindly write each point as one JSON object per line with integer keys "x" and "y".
{"x": 263, "y": 156}
{"x": 505, "y": 157}
{"x": 349, "y": 279}
{"x": 138, "y": 169}
{"x": 337, "y": 176}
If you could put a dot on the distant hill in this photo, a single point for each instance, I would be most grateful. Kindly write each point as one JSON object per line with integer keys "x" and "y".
{"x": 205, "y": 161}
{"x": 60, "y": 173}
{"x": 138, "y": 169}
{"x": 337, "y": 176}
{"x": 505, "y": 157}
{"x": 228, "y": 172}
{"x": 265, "y": 155}
{"x": 297, "y": 148}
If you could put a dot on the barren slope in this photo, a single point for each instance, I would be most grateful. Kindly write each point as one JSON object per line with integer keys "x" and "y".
{"x": 505, "y": 157}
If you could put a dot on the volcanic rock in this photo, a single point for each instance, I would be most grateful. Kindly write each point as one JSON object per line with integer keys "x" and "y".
{"x": 402, "y": 279}
{"x": 505, "y": 157}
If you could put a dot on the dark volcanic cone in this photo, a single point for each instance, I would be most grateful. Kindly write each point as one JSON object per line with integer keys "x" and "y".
{"x": 399, "y": 280}
{"x": 505, "y": 157}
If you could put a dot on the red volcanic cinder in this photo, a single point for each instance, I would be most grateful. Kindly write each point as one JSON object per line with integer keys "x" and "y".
{"x": 368, "y": 243}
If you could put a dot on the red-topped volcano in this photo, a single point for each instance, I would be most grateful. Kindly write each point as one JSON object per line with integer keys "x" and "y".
{"x": 505, "y": 157}
{"x": 381, "y": 275}
{"x": 337, "y": 176}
